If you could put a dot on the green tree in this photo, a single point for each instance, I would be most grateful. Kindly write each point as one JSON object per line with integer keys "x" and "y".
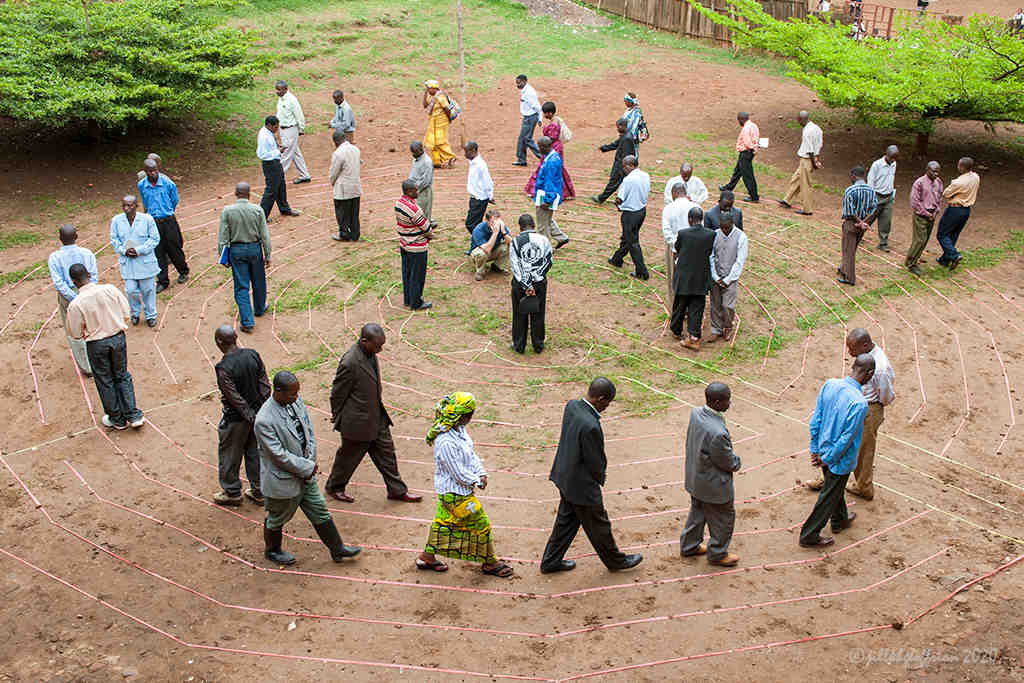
{"x": 929, "y": 70}
{"x": 114, "y": 63}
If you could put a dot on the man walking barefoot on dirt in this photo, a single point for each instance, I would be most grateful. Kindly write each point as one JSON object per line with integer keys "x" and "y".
{"x": 60, "y": 263}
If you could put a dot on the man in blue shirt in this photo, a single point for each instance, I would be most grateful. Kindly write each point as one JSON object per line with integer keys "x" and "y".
{"x": 487, "y": 246}
{"x": 836, "y": 429}
{"x": 160, "y": 200}
{"x": 632, "y": 203}
{"x": 60, "y": 262}
{"x": 547, "y": 193}
{"x": 134, "y": 237}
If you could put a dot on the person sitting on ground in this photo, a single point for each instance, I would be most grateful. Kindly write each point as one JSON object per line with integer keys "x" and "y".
{"x": 488, "y": 247}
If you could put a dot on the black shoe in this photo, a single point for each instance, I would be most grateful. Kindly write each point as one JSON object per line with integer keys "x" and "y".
{"x": 135, "y": 320}
{"x": 562, "y": 244}
{"x": 299, "y": 181}
{"x": 617, "y": 265}
{"x": 338, "y": 238}
{"x": 538, "y": 349}
{"x": 261, "y": 313}
{"x": 751, "y": 200}
{"x": 723, "y": 188}
{"x": 563, "y": 566}
{"x": 161, "y": 287}
{"x": 273, "y": 552}
{"x": 836, "y": 528}
{"x": 246, "y": 329}
{"x": 424, "y": 305}
{"x": 916, "y": 270}
{"x": 290, "y": 212}
{"x": 519, "y": 163}
{"x": 843, "y": 281}
{"x": 638, "y": 276}
{"x": 151, "y": 323}
{"x": 328, "y": 533}
{"x": 182, "y": 278}
{"x": 629, "y": 562}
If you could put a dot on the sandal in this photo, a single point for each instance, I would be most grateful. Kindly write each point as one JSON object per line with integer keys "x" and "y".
{"x": 501, "y": 570}
{"x": 436, "y": 565}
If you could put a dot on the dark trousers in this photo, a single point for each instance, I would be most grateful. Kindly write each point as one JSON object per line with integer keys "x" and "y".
{"x": 688, "y": 307}
{"x": 414, "y": 276}
{"x": 237, "y": 442}
{"x": 595, "y": 523}
{"x": 533, "y": 321}
{"x": 525, "y": 140}
{"x": 382, "y": 452}
{"x": 475, "y": 215}
{"x": 249, "y": 270}
{"x": 276, "y": 189}
{"x": 852, "y": 235}
{"x": 744, "y": 169}
{"x": 347, "y": 213}
{"x": 831, "y": 505}
{"x": 170, "y": 249}
{"x": 614, "y": 180}
{"x": 952, "y": 223}
{"x": 109, "y": 360}
{"x": 629, "y": 241}
{"x": 720, "y": 519}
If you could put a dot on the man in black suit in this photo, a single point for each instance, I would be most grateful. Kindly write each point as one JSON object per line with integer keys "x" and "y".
{"x": 624, "y": 146}
{"x": 579, "y": 473}
{"x": 692, "y": 279}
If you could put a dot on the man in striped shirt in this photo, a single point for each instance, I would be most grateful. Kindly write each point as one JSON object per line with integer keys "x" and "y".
{"x": 859, "y": 208}
{"x": 413, "y": 236}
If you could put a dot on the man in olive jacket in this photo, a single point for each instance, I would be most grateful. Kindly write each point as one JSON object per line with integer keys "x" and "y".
{"x": 359, "y": 415}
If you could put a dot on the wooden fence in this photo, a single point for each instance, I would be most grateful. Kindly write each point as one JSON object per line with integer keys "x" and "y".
{"x": 679, "y": 17}
{"x": 881, "y": 21}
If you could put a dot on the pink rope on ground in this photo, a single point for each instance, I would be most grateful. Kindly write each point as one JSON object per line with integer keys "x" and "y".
{"x": 771, "y": 319}
{"x": 32, "y": 370}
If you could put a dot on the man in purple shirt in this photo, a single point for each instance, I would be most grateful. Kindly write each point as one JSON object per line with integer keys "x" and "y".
{"x": 925, "y": 196}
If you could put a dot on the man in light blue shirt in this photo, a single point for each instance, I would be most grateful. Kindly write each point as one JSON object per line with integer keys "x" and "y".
{"x": 135, "y": 237}
{"x": 836, "y": 429}
{"x": 344, "y": 118}
{"x": 60, "y": 261}
{"x": 632, "y": 203}
{"x": 160, "y": 200}
{"x": 269, "y": 152}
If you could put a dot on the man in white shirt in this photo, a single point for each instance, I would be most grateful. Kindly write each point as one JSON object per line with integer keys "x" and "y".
{"x": 696, "y": 190}
{"x": 479, "y": 186}
{"x": 293, "y": 124}
{"x": 882, "y": 179}
{"x": 809, "y": 155}
{"x": 632, "y": 202}
{"x": 673, "y": 219}
{"x": 728, "y": 256}
{"x": 344, "y": 118}
{"x": 269, "y": 152}
{"x": 348, "y": 189}
{"x": 60, "y": 263}
{"x": 529, "y": 107}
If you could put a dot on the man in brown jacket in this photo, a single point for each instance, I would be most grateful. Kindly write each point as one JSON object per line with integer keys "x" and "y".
{"x": 359, "y": 415}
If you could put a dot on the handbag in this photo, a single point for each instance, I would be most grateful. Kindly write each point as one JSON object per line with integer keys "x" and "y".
{"x": 529, "y": 304}
{"x": 453, "y": 109}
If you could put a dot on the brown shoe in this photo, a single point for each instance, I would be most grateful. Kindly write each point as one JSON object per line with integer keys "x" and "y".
{"x": 816, "y": 484}
{"x": 822, "y": 541}
{"x": 714, "y": 337}
{"x": 853, "y": 490}
{"x": 702, "y": 549}
{"x": 692, "y": 344}
{"x": 342, "y": 496}
{"x": 836, "y": 528}
{"x": 728, "y": 560}
{"x": 406, "y": 497}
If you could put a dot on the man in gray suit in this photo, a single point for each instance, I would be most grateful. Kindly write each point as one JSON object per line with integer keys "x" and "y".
{"x": 710, "y": 462}
{"x": 288, "y": 469}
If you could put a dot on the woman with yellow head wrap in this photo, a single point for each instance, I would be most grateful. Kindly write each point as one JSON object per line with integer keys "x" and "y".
{"x": 435, "y": 101}
{"x": 460, "y": 529}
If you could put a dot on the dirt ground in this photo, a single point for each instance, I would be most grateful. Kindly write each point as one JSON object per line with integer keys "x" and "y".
{"x": 115, "y": 565}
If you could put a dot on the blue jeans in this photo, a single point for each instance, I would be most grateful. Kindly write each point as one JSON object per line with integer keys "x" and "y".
{"x": 109, "y": 360}
{"x": 526, "y": 138}
{"x": 144, "y": 289}
{"x": 950, "y": 225}
{"x": 247, "y": 270}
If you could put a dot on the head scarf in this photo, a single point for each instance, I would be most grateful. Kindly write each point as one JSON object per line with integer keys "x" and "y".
{"x": 449, "y": 411}
{"x": 432, "y": 84}
{"x": 631, "y": 100}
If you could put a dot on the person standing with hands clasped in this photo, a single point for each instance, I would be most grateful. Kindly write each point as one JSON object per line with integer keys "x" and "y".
{"x": 243, "y": 232}
{"x": 134, "y": 236}
{"x": 59, "y": 263}
{"x": 925, "y": 198}
{"x": 859, "y": 208}
{"x": 882, "y": 179}
{"x": 414, "y": 235}
{"x": 728, "y": 256}
{"x": 530, "y": 260}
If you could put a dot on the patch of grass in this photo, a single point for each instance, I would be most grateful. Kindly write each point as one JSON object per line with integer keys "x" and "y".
{"x": 483, "y": 322}
{"x": 15, "y": 275}
{"x": 299, "y": 298}
{"x": 989, "y": 257}
{"x": 323, "y": 355}
{"x": 234, "y": 145}
{"x": 698, "y": 137}
{"x": 18, "y": 238}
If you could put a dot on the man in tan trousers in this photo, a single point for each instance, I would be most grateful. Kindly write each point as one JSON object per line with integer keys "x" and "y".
{"x": 809, "y": 155}
{"x": 879, "y": 393}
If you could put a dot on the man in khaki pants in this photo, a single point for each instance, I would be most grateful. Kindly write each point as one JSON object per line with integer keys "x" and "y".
{"x": 810, "y": 149}
{"x": 879, "y": 393}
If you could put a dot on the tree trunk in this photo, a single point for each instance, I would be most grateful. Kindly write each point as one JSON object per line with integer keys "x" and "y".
{"x": 462, "y": 71}
{"x": 922, "y": 144}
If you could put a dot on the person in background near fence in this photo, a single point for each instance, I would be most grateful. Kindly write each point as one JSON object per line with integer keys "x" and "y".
{"x": 674, "y": 217}
{"x": 547, "y": 193}
{"x": 809, "y": 154}
{"x": 268, "y": 150}
{"x": 288, "y": 468}
{"x": 922, "y": 7}
{"x": 860, "y": 205}
{"x": 692, "y": 280}
{"x": 155, "y": 157}
{"x": 579, "y": 472}
{"x": 414, "y": 235}
{"x": 244, "y": 388}
{"x": 243, "y": 232}
{"x": 59, "y": 263}
{"x": 134, "y": 236}
{"x": 624, "y": 146}
{"x": 530, "y": 260}
{"x": 160, "y": 199}
{"x": 529, "y": 107}
{"x": 836, "y": 428}
{"x": 728, "y": 257}
{"x": 478, "y": 184}
{"x": 488, "y": 246}
{"x": 344, "y": 118}
{"x": 345, "y": 167}
{"x": 824, "y": 6}
{"x": 422, "y": 173}
{"x": 960, "y": 195}
{"x": 559, "y": 133}
{"x": 710, "y": 463}
{"x": 632, "y": 203}
{"x": 635, "y": 122}
{"x": 925, "y": 199}
{"x": 293, "y": 124}
{"x": 726, "y": 204}
{"x": 746, "y": 148}
{"x": 436, "y": 102}
{"x": 882, "y": 179}
{"x": 461, "y": 529}
{"x": 99, "y": 316}
{"x": 696, "y": 190}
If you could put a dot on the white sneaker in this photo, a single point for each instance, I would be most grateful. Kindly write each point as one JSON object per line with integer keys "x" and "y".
{"x": 135, "y": 424}
{"x": 107, "y": 423}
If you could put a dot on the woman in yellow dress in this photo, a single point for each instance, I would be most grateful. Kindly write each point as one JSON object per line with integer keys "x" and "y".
{"x": 435, "y": 101}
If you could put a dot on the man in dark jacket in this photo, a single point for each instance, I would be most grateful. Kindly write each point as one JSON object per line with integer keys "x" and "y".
{"x": 359, "y": 415}
{"x": 692, "y": 279}
{"x": 579, "y": 474}
{"x": 244, "y": 387}
{"x": 710, "y": 462}
{"x": 624, "y": 146}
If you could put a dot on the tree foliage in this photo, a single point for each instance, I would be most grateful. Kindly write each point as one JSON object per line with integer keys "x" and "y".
{"x": 113, "y": 63}
{"x": 929, "y": 70}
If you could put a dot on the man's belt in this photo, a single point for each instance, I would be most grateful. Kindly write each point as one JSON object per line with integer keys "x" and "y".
{"x": 292, "y": 126}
